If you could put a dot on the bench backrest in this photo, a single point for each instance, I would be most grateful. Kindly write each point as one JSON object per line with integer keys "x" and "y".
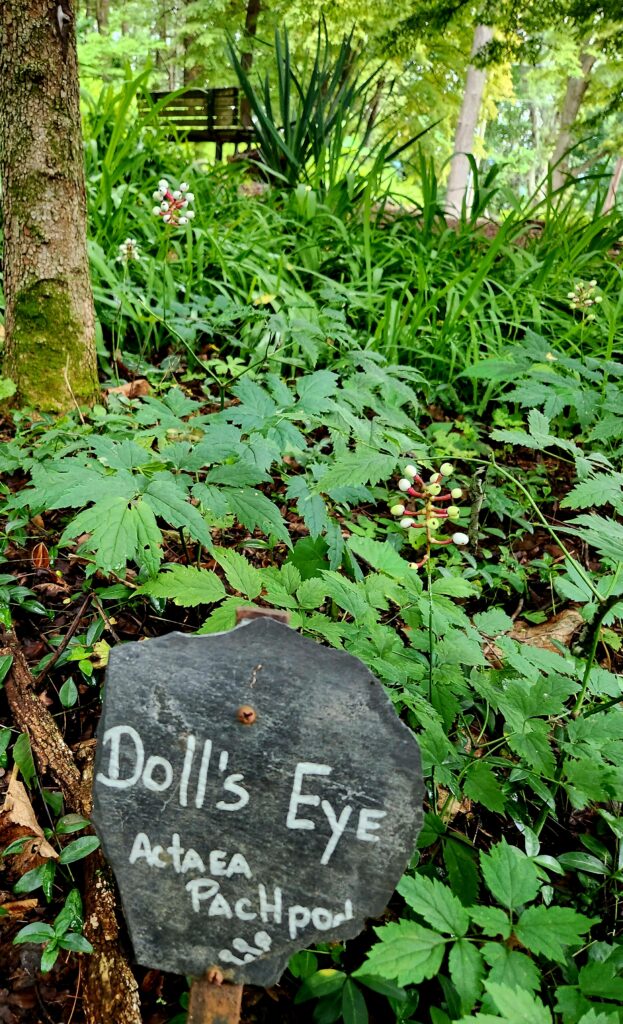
{"x": 204, "y": 115}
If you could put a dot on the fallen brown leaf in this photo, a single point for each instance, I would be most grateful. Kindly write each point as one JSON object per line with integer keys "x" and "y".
{"x": 133, "y": 389}
{"x": 17, "y": 908}
{"x": 560, "y": 628}
{"x": 17, "y": 821}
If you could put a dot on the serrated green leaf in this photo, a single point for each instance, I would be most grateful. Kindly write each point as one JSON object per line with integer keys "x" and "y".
{"x": 510, "y": 967}
{"x": 363, "y": 466}
{"x": 186, "y": 586}
{"x": 547, "y": 930}
{"x": 223, "y": 617}
{"x": 453, "y": 586}
{"x": 406, "y": 952}
{"x": 381, "y": 556}
{"x": 482, "y": 786}
{"x": 601, "y": 489}
{"x": 509, "y": 875}
{"x": 315, "y": 390}
{"x": 311, "y": 593}
{"x": 112, "y": 524}
{"x": 517, "y": 1005}
{"x": 466, "y": 970}
{"x": 493, "y": 622}
{"x": 347, "y": 595}
{"x": 148, "y": 539}
{"x": 255, "y": 511}
{"x": 241, "y": 575}
{"x": 492, "y": 920}
{"x": 462, "y": 871}
{"x": 435, "y": 902}
{"x": 169, "y": 501}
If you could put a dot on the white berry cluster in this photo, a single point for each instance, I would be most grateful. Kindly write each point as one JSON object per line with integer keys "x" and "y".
{"x": 583, "y": 297}
{"x": 435, "y": 500}
{"x": 128, "y": 251}
{"x": 174, "y": 205}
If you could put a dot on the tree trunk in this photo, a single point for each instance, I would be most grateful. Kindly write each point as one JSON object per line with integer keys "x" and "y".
{"x": 475, "y": 80}
{"x": 102, "y": 12}
{"x": 50, "y": 320}
{"x": 374, "y": 109}
{"x": 574, "y": 94}
{"x": 246, "y": 59}
{"x": 613, "y": 187}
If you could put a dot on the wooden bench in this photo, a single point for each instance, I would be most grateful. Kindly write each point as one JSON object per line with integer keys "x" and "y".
{"x": 202, "y": 115}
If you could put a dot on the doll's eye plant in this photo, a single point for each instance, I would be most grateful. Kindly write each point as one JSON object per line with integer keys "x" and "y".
{"x": 433, "y": 504}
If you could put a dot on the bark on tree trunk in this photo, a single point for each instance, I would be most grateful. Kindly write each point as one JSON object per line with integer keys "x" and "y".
{"x": 468, "y": 119}
{"x": 102, "y": 15}
{"x": 50, "y": 320}
{"x": 246, "y": 59}
{"x": 574, "y": 94}
{"x": 374, "y": 109}
{"x": 613, "y": 187}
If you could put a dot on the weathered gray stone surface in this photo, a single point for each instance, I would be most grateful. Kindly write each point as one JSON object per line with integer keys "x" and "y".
{"x": 235, "y": 845}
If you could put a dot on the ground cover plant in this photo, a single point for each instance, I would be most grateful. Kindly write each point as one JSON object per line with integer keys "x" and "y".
{"x": 405, "y": 432}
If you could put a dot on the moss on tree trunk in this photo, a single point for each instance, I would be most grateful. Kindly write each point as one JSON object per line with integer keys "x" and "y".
{"x": 50, "y": 320}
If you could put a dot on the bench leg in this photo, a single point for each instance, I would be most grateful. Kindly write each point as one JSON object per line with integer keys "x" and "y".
{"x": 219, "y": 151}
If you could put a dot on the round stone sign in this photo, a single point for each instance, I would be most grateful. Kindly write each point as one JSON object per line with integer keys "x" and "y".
{"x": 255, "y": 792}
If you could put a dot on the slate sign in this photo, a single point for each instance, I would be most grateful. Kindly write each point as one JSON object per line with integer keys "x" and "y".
{"x": 255, "y": 792}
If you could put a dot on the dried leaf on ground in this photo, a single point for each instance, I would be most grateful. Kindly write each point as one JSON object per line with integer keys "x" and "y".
{"x": 17, "y": 820}
{"x": 559, "y": 629}
{"x": 133, "y": 389}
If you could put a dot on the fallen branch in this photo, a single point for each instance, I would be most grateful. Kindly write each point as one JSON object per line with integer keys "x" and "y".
{"x": 111, "y": 988}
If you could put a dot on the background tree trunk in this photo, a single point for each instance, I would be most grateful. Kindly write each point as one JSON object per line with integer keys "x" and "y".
{"x": 468, "y": 119}
{"x": 50, "y": 319}
{"x": 613, "y": 186}
{"x": 102, "y": 14}
{"x": 246, "y": 58}
{"x": 574, "y": 94}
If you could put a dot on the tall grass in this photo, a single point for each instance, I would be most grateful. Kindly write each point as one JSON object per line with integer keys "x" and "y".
{"x": 290, "y": 272}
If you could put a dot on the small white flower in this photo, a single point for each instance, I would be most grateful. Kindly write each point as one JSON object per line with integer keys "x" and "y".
{"x": 163, "y": 185}
{"x": 164, "y": 205}
{"x": 434, "y": 478}
{"x": 453, "y": 512}
{"x": 166, "y": 217}
{"x": 404, "y": 485}
{"x": 177, "y": 194}
{"x": 599, "y": 298}
{"x": 456, "y": 492}
{"x": 183, "y": 220}
{"x": 410, "y": 471}
{"x": 190, "y": 196}
{"x": 190, "y": 214}
{"x": 156, "y": 211}
{"x": 406, "y": 522}
{"x": 397, "y": 510}
{"x": 446, "y": 469}
{"x": 460, "y": 538}
{"x": 158, "y": 195}
{"x": 184, "y": 187}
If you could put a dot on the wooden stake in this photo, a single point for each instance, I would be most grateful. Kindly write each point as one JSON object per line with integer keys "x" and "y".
{"x": 212, "y": 1002}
